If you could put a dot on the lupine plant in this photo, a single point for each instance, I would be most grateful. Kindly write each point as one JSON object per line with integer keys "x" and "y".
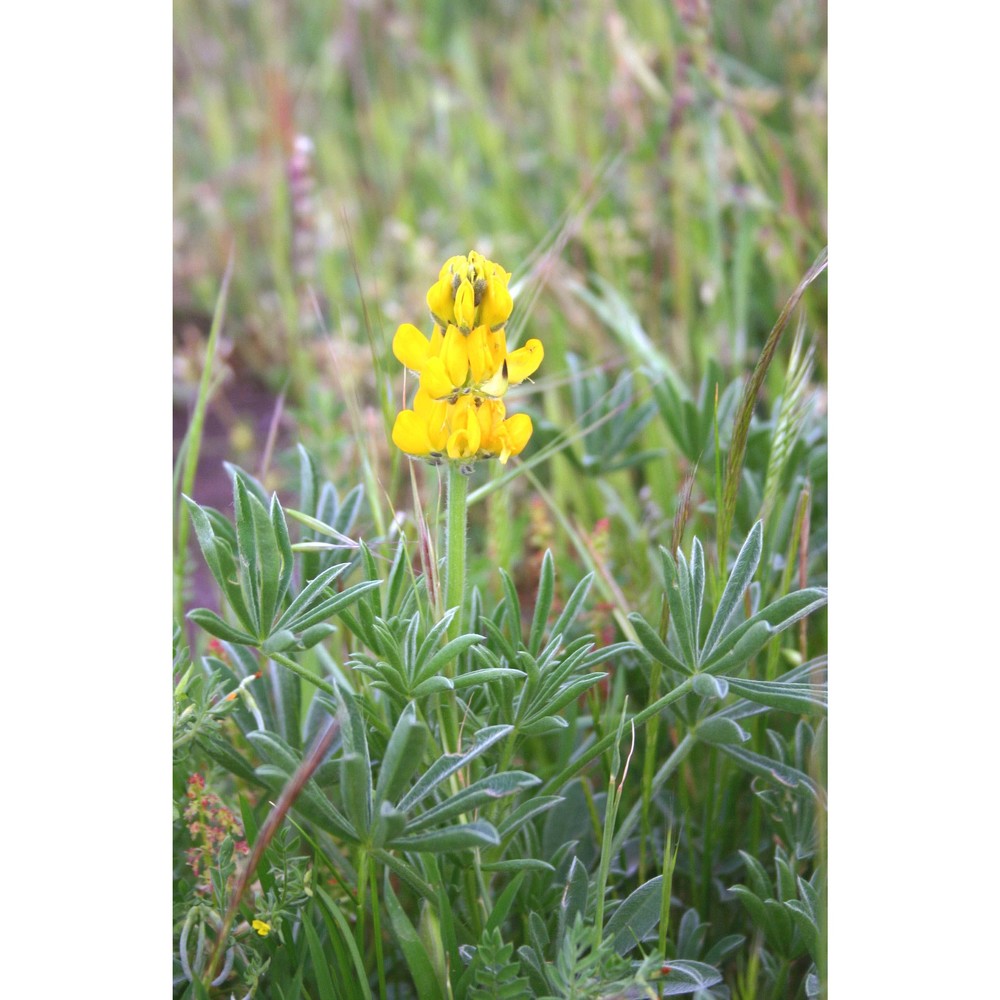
{"x": 401, "y": 779}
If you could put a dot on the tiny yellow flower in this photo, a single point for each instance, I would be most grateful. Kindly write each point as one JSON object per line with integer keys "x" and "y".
{"x": 261, "y": 928}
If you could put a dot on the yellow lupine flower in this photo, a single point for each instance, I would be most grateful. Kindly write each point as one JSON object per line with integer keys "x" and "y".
{"x": 262, "y": 928}
{"x": 464, "y": 368}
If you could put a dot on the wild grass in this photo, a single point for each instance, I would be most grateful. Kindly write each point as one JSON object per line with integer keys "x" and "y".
{"x": 624, "y": 771}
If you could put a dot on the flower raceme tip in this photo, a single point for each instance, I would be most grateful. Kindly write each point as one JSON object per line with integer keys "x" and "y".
{"x": 464, "y": 368}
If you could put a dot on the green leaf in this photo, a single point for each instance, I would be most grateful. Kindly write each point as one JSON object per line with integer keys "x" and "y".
{"x": 214, "y": 625}
{"x": 754, "y": 905}
{"x": 789, "y": 697}
{"x": 679, "y": 600}
{"x": 772, "y": 770}
{"x": 505, "y": 900}
{"x": 462, "y": 837}
{"x": 279, "y": 642}
{"x": 355, "y": 764}
{"x": 708, "y": 686}
{"x": 396, "y": 578}
{"x": 428, "y": 646}
{"x": 739, "y": 579}
{"x": 543, "y": 726}
{"x": 758, "y": 877}
{"x": 219, "y": 558}
{"x": 246, "y": 550}
{"x": 424, "y": 979}
{"x": 316, "y": 634}
{"x": 432, "y": 686}
{"x": 513, "y": 605}
{"x": 320, "y": 963}
{"x": 403, "y": 755}
{"x": 334, "y": 604}
{"x": 309, "y": 594}
{"x": 389, "y": 824}
{"x": 543, "y": 603}
{"x": 550, "y": 703}
{"x": 526, "y": 811}
{"x": 574, "y": 897}
{"x": 686, "y": 976}
{"x": 803, "y": 919}
{"x": 636, "y": 917}
{"x": 284, "y": 546}
{"x": 485, "y": 676}
{"x": 488, "y": 789}
{"x": 566, "y": 617}
{"x": 360, "y": 975}
{"x": 448, "y": 764}
{"x": 517, "y": 865}
{"x": 654, "y": 645}
{"x": 448, "y": 652}
{"x": 720, "y": 730}
{"x": 223, "y": 753}
{"x": 766, "y": 623}
{"x": 311, "y": 804}
{"x": 697, "y": 586}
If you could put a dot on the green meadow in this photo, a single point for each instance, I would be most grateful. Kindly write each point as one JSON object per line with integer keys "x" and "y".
{"x": 500, "y": 542}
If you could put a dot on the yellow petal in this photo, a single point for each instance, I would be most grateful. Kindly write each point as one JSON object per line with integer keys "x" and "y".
{"x": 496, "y": 306}
{"x": 435, "y": 379}
{"x": 411, "y": 347}
{"x": 465, "y": 305}
{"x": 437, "y": 339}
{"x": 453, "y": 265}
{"x": 440, "y": 301}
{"x": 513, "y": 435}
{"x": 524, "y": 361}
{"x": 464, "y": 441}
{"x": 485, "y": 354}
{"x": 433, "y": 415}
{"x": 409, "y": 434}
{"x": 455, "y": 355}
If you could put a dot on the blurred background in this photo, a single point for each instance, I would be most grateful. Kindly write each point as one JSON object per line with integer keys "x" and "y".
{"x": 653, "y": 174}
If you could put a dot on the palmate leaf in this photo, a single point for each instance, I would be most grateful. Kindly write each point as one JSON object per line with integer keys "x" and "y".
{"x": 486, "y": 790}
{"x": 448, "y": 764}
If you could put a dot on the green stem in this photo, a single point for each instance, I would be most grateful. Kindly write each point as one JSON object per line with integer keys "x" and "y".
{"x": 456, "y": 517}
{"x": 648, "y": 766}
{"x": 669, "y": 766}
{"x": 454, "y": 575}
{"x": 607, "y": 838}
{"x": 377, "y": 929}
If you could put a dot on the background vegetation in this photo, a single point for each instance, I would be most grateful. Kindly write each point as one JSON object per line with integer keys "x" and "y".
{"x": 654, "y": 176}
